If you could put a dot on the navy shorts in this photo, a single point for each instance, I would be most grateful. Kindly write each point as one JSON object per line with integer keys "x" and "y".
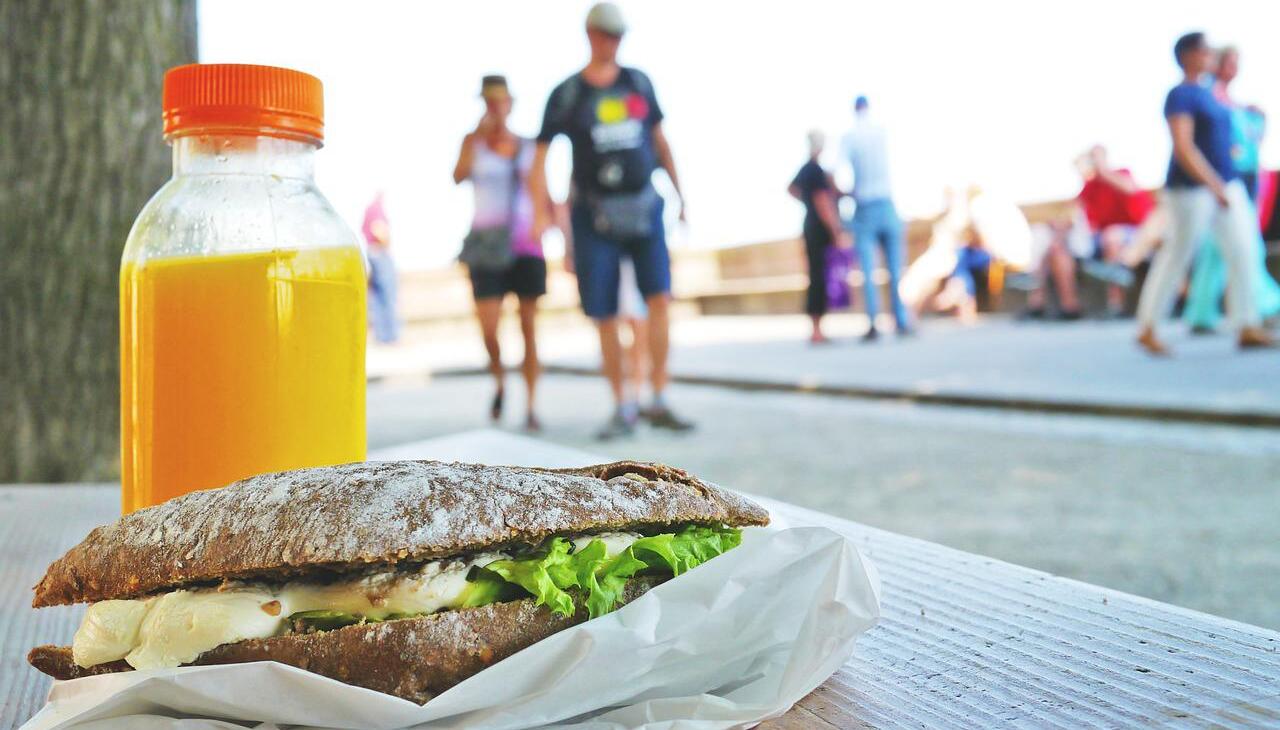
{"x": 598, "y": 260}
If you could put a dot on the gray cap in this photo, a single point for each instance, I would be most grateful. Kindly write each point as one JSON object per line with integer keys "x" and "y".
{"x": 607, "y": 18}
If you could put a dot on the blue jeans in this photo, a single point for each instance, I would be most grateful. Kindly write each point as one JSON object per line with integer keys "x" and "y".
{"x": 875, "y": 223}
{"x": 382, "y": 296}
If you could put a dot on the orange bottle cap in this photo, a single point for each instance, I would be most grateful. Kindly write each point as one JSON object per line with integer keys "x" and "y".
{"x": 231, "y": 98}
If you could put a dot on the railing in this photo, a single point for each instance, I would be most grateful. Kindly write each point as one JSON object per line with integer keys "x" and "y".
{"x": 764, "y": 277}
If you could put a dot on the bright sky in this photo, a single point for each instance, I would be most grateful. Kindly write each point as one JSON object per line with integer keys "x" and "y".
{"x": 1000, "y": 93}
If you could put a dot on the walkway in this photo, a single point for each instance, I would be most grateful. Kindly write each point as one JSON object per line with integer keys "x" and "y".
{"x": 1082, "y": 367}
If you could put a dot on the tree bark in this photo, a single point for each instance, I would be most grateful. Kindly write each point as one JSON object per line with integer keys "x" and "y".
{"x": 80, "y": 153}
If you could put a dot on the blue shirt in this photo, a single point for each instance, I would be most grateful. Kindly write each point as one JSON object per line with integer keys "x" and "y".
{"x": 864, "y": 147}
{"x": 1213, "y": 132}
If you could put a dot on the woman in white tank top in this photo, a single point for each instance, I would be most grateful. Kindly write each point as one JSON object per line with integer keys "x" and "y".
{"x": 497, "y": 162}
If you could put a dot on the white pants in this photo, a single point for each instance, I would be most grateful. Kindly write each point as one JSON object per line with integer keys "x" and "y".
{"x": 1194, "y": 213}
{"x": 931, "y": 268}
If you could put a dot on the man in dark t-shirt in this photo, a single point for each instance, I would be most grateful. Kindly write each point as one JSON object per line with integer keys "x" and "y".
{"x": 614, "y": 124}
{"x": 1204, "y": 194}
{"x": 610, "y": 129}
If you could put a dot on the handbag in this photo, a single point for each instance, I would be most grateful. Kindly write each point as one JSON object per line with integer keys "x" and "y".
{"x": 490, "y": 248}
{"x": 839, "y": 261}
{"x": 624, "y": 215}
{"x": 487, "y": 248}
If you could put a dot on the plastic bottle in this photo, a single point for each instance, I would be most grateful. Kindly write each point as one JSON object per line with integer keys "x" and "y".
{"x": 242, "y": 294}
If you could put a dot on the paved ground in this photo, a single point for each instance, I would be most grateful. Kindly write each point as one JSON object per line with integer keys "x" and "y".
{"x": 1079, "y": 363}
{"x": 1176, "y": 512}
{"x": 1084, "y": 363}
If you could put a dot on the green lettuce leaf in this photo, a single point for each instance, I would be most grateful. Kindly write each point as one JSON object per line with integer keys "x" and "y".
{"x": 609, "y": 580}
{"x": 324, "y": 619}
{"x": 535, "y": 575}
{"x": 673, "y": 553}
{"x": 687, "y": 549}
{"x": 327, "y": 620}
{"x": 548, "y": 571}
{"x": 485, "y": 587}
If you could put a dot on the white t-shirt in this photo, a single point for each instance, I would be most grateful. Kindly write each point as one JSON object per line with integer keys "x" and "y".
{"x": 492, "y": 180}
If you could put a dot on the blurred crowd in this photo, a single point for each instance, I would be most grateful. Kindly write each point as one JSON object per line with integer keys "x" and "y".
{"x": 1215, "y": 206}
{"x": 1212, "y": 209}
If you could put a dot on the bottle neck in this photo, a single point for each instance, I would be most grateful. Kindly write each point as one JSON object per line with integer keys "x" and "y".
{"x": 234, "y": 154}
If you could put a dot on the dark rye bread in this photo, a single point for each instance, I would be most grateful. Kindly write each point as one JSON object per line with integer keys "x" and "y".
{"x": 353, "y": 516}
{"x": 413, "y": 658}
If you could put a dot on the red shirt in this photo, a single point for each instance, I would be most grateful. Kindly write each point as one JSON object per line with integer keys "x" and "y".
{"x": 1106, "y": 205}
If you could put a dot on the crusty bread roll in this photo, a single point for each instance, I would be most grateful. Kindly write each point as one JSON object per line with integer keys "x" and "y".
{"x": 351, "y": 519}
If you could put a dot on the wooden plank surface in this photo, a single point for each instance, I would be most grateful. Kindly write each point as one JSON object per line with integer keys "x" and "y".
{"x": 965, "y": 641}
{"x": 37, "y": 524}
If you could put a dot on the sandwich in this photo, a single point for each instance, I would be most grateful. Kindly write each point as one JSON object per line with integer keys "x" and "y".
{"x": 404, "y": 577}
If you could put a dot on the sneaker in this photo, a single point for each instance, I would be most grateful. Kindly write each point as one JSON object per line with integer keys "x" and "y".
{"x": 1070, "y": 315}
{"x": 1202, "y": 330}
{"x": 495, "y": 407}
{"x": 532, "y": 424}
{"x": 618, "y": 426}
{"x": 1108, "y": 272}
{"x": 663, "y": 417}
{"x": 872, "y": 335}
{"x": 1255, "y": 338}
{"x": 1148, "y": 341}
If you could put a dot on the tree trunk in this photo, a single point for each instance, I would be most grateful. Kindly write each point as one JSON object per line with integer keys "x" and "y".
{"x": 80, "y": 153}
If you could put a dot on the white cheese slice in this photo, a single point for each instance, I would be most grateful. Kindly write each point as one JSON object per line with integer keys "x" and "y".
{"x": 436, "y": 585}
{"x": 109, "y": 632}
{"x": 614, "y": 542}
{"x": 182, "y": 625}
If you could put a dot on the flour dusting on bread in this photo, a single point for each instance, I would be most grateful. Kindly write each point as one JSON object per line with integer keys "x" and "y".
{"x": 373, "y": 513}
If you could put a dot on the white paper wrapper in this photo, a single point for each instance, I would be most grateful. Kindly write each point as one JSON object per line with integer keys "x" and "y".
{"x": 737, "y": 640}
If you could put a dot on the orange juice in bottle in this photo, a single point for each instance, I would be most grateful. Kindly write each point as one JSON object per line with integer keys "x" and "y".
{"x": 242, "y": 295}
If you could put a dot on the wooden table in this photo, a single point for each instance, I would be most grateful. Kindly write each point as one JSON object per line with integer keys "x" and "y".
{"x": 965, "y": 641}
